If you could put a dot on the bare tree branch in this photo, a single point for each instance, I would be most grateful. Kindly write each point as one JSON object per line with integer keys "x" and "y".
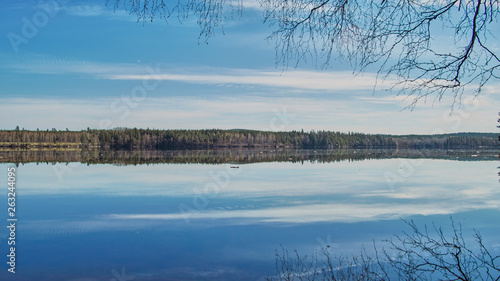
{"x": 418, "y": 254}
{"x": 424, "y": 48}
{"x": 404, "y": 40}
{"x": 210, "y": 14}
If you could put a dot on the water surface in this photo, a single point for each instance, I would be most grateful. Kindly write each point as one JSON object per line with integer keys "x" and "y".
{"x": 81, "y": 221}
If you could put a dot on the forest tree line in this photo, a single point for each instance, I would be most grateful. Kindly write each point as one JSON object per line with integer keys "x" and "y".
{"x": 133, "y": 138}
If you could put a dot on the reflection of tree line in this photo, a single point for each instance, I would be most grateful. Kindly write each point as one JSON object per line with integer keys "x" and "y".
{"x": 221, "y": 156}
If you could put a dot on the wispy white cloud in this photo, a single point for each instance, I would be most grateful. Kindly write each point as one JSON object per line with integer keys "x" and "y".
{"x": 252, "y": 4}
{"x": 50, "y": 64}
{"x": 342, "y": 102}
{"x": 305, "y": 81}
{"x": 293, "y": 79}
{"x": 86, "y": 10}
{"x": 97, "y": 10}
{"x": 384, "y": 100}
{"x": 242, "y": 111}
{"x": 299, "y": 79}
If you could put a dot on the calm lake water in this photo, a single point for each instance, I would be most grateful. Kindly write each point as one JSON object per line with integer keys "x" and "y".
{"x": 215, "y": 222}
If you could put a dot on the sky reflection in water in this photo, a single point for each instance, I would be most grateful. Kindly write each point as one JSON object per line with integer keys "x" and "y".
{"x": 213, "y": 222}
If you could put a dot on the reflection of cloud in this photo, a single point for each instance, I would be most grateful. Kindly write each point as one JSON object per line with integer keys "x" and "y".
{"x": 300, "y": 183}
{"x": 300, "y": 214}
{"x": 282, "y": 192}
{"x": 54, "y": 228}
{"x": 337, "y": 212}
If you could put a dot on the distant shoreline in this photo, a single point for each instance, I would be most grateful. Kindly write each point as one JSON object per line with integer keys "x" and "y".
{"x": 126, "y": 138}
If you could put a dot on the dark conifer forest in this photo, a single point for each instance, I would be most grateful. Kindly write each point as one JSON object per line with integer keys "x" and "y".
{"x": 133, "y": 138}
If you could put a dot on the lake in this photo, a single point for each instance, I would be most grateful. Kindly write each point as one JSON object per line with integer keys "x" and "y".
{"x": 193, "y": 219}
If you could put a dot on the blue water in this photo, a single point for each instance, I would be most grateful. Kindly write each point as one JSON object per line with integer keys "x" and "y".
{"x": 213, "y": 222}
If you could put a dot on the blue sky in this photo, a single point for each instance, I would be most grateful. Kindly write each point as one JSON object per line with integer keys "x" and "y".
{"x": 78, "y": 64}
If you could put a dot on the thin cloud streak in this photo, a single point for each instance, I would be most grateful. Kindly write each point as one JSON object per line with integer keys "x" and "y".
{"x": 86, "y": 10}
{"x": 250, "y": 112}
{"x": 291, "y": 79}
{"x": 301, "y": 79}
{"x": 49, "y": 64}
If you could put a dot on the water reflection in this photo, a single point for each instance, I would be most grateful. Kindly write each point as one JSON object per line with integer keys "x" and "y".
{"x": 135, "y": 157}
{"x": 214, "y": 222}
{"x": 280, "y": 192}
